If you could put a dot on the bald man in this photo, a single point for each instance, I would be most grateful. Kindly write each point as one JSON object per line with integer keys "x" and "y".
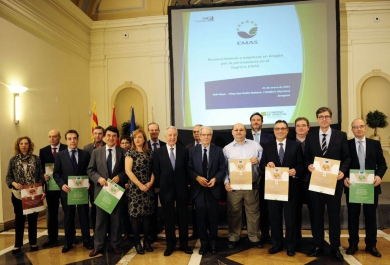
{"x": 47, "y": 155}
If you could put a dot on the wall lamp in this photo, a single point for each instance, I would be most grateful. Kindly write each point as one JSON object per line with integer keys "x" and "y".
{"x": 17, "y": 90}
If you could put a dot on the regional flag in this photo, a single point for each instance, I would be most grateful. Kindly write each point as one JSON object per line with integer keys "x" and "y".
{"x": 94, "y": 119}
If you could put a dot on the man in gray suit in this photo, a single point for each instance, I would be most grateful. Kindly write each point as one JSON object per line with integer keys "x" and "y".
{"x": 107, "y": 162}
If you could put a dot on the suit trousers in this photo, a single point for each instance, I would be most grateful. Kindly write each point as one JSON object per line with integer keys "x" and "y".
{"x": 264, "y": 214}
{"x": 20, "y": 219}
{"x": 369, "y": 212}
{"x": 234, "y": 214}
{"x": 168, "y": 208}
{"x": 206, "y": 206}
{"x": 102, "y": 223}
{"x": 319, "y": 200}
{"x": 53, "y": 203}
{"x": 70, "y": 214}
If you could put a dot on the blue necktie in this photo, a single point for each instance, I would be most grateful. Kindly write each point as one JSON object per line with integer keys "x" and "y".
{"x": 257, "y": 138}
{"x": 281, "y": 153}
{"x": 172, "y": 158}
{"x": 73, "y": 159}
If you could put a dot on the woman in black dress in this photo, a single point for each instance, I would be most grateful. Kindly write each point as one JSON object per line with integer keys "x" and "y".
{"x": 138, "y": 165}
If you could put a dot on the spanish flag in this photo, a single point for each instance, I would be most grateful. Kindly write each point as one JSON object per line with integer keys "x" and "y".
{"x": 114, "y": 123}
{"x": 94, "y": 119}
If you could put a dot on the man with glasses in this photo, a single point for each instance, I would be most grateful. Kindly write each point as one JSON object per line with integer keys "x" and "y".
{"x": 206, "y": 170}
{"x": 283, "y": 153}
{"x": 327, "y": 143}
{"x": 302, "y": 128}
{"x": 366, "y": 154}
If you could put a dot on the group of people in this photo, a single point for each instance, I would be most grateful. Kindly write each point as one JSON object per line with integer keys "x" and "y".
{"x": 152, "y": 169}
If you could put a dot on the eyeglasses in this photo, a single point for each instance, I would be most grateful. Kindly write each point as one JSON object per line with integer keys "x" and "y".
{"x": 280, "y": 129}
{"x": 324, "y": 117}
{"x": 207, "y": 135}
{"x": 358, "y": 127}
{"x": 125, "y": 143}
{"x": 195, "y": 131}
{"x": 301, "y": 126}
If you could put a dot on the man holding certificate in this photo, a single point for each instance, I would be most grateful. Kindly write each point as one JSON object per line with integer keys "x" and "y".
{"x": 366, "y": 155}
{"x": 279, "y": 154}
{"x": 69, "y": 163}
{"x": 238, "y": 154}
{"x": 328, "y": 143}
{"x": 107, "y": 162}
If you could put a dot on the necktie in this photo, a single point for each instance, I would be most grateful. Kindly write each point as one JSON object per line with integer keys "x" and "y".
{"x": 323, "y": 145}
{"x": 204, "y": 163}
{"x": 54, "y": 152}
{"x": 303, "y": 146}
{"x": 281, "y": 153}
{"x": 172, "y": 158}
{"x": 361, "y": 156}
{"x": 73, "y": 159}
{"x": 257, "y": 137}
{"x": 154, "y": 146}
{"x": 109, "y": 162}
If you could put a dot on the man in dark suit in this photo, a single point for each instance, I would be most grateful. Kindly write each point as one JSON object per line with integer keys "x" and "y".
{"x": 107, "y": 162}
{"x": 283, "y": 153}
{"x": 371, "y": 158}
{"x": 154, "y": 143}
{"x": 263, "y": 138}
{"x": 72, "y": 162}
{"x": 47, "y": 156}
{"x": 98, "y": 142}
{"x": 170, "y": 170}
{"x": 328, "y": 143}
{"x": 206, "y": 170}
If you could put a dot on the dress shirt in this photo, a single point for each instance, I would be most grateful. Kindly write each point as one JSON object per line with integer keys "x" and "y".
{"x": 55, "y": 146}
{"x": 328, "y": 134}
{"x": 76, "y": 154}
{"x": 113, "y": 155}
{"x": 248, "y": 149}
{"x": 157, "y": 142}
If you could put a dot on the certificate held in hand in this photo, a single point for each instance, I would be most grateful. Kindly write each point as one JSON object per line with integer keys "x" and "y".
{"x": 109, "y": 196}
{"x": 32, "y": 198}
{"x": 362, "y": 187}
{"x": 78, "y": 190}
{"x": 276, "y": 183}
{"x": 240, "y": 172}
{"x": 324, "y": 178}
{"x": 51, "y": 183}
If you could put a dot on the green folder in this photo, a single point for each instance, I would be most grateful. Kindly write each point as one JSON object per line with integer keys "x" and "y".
{"x": 109, "y": 196}
{"x": 362, "y": 187}
{"x": 78, "y": 190}
{"x": 51, "y": 184}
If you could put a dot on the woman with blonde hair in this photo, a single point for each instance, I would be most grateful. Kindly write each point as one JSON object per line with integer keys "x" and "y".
{"x": 24, "y": 169}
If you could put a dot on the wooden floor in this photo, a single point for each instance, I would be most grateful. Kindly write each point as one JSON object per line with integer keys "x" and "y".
{"x": 243, "y": 254}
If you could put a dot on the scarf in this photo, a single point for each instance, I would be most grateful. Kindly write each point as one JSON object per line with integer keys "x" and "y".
{"x": 25, "y": 175}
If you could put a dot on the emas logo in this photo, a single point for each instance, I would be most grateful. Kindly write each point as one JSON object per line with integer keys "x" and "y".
{"x": 247, "y": 29}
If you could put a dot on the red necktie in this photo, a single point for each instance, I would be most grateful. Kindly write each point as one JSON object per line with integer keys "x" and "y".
{"x": 54, "y": 152}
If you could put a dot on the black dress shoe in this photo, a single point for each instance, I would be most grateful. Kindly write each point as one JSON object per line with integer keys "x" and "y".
{"x": 16, "y": 251}
{"x": 66, "y": 248}
{"x": 95, "y": 252}
{"x": 213, "y": 250}
{"x": 33, "y": 248}
{"x": 186, "y": 250}
{"x": 168, "y": 252}
{"x": 88, "y": 245}
{"x": 373, "y": 251}
{"x": 118, "y": 250}
{"x": 274, "y": 250}
{"x": 202, "y": 250}
{"x": 147, "y": 246}
{"x": 290, "y": 252}
{"x": 351, "y": 250}
{"x": 337, "y": 255}
{"x": 232, "y": 244}
{"x": 316, "y": 252}
{"x": 139, "y": 249}
{"x": 258, "y": 244}
{"x": 49, "y": 242}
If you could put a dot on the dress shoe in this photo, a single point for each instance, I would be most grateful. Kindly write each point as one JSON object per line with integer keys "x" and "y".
{"x": 232, "y": 244}
{"x": 274, "y": 250}
{"x": 118, "y": 250}
{"x": 290, "y": 252}
{"x": 147, "y": 246}
{"x": 186, "y": 250}
{"x": 88, "y": 245}
{"x": 373, "y": 251}
{"x": 139, "y": 249}
{"x": 49, "y": 242}
{"x": 33, "y": 248}
{"x": 95, "y": 252}
{"x": 168, "y": 252}
{"x": 66, "y": 248}
{"x": 337, "y": 255}
{"x": 202, "y": 250}
{"x": 213, "y": 250}
{"x": 193, "y": 237}
{"x": 258, "y": 244}
{"x": 351, "y": 250}
{"x": 316, "y": 252}
{"x": 16, "y": 251}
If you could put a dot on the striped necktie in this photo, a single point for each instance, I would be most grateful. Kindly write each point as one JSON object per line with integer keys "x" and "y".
{"x": 323, "y": 145}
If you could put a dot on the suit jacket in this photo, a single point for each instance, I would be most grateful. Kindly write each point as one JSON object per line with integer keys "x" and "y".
{"x": 90, "y": 147}
{"x": 97, "y": 168}
{"x": 46, "y": 155}
{"x": 216, "y": 169}
{"x": 161, "y": 144}
{"x": 63, "y": 167}
{"x": 374, "y": 160}
{"x": 337, "y": 149}
{"x": 167, "y": 179}
{"x": 293, "y": 158}
{"x": 265, "y": 138}
{"x": 190, "y": 145}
